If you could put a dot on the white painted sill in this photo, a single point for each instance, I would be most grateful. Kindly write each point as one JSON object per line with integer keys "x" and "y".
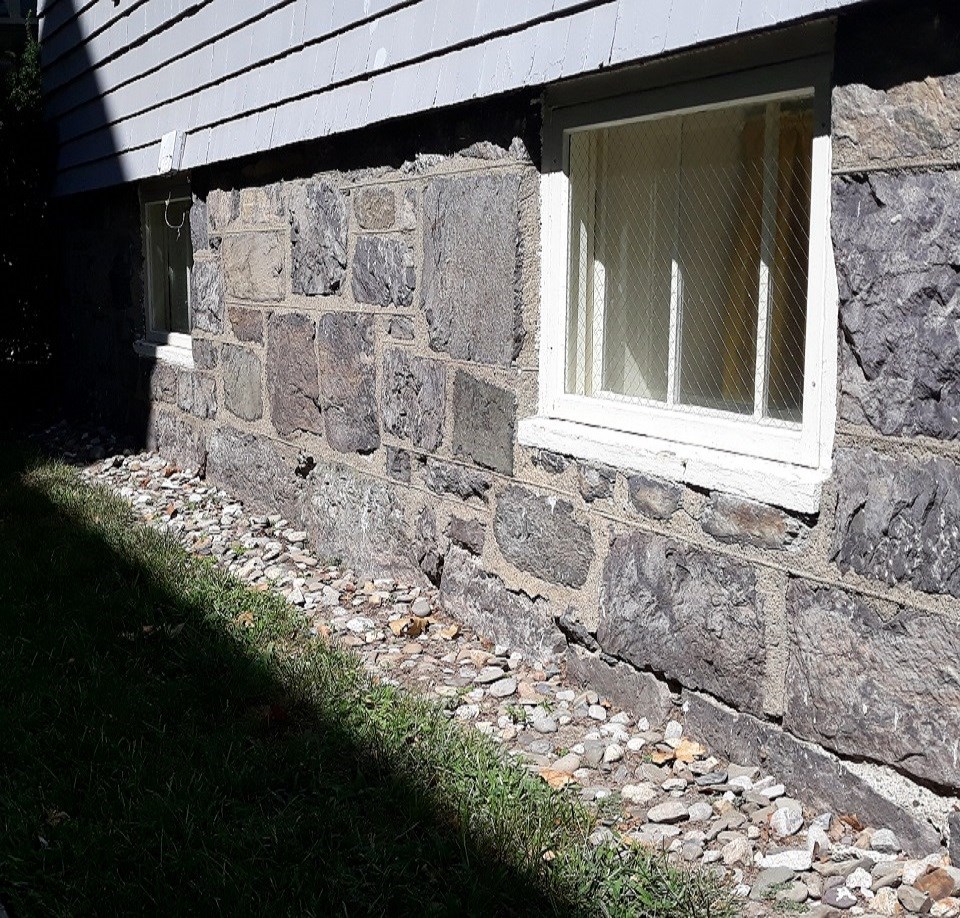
{"x": 789, "y": 486}
{"x": 177, "y": 354}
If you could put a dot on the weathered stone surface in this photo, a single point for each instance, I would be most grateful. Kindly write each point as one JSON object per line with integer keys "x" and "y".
{"x": 199, "y": 232}
{"x": 543, "y": 535}
{"x": 414, "y": 398}
{"x": 595, "y": 481}
{"x": 551, "y": 462}
{"x": 426, "y": 546}
{"x": 293, "y": 386}
{"x": 643, "y": 693}
{"x": 447, "y": 478}
{"x": 255, "y": 470}
{"x": 897, "y": 243}
{"x": 318, "y": 233}
{"x": 383, "y": 272}
{"x": 242, "y": 383}
{"x": 484, "y": 419}
{"x": 246, "y": 324}
{"x": 468, "y": 534}
{"x": 348, "y": 382}
{"x": 654, "y": 497}
{"x": 178, "y": 438}
{"x": 360, "y": 520}
{"x": 253, "y": 266}
{"x": 402, "y": 328}
{"x": 865, "y": 684}
{"x": 471, "y": 268}
{"x": 206, "y": 354}
{"x": 687, "y": 613}
{"x": 206, "y": 296}
{"x": 398, "y": 464}
{"x": 223, "y": 208}
{"x": 819, "y": 778}
{"x": 898, "y": 519}
{"x": 197, "y": 394}
{"x": 734, "y": 519}
{"x": 913, "y": 121}
{"x": 505, "y": 616}
{"x": 161, "y": 381}
{"x": 264, "y": 204}
{"x": 375, "y": 208}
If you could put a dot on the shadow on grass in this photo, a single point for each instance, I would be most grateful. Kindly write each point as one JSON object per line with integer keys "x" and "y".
{"x": 154, "y": 759}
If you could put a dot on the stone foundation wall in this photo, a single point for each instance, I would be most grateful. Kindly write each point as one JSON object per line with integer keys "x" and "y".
{"x": 366, "y": 340}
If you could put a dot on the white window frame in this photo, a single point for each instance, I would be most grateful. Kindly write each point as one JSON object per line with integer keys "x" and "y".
{"x": 168, "y": 346}
{"x": 767, "y": 460}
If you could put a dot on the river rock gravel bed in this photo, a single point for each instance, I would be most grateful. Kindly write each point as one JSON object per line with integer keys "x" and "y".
{"x": 652, "y": 783}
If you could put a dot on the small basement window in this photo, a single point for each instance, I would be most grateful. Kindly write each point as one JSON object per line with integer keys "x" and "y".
{"x": 168, "y": 257}
{"x": 685, "y": 277}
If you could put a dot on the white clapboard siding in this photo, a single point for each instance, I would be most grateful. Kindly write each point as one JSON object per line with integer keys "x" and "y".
{"x": 239, "y": 78}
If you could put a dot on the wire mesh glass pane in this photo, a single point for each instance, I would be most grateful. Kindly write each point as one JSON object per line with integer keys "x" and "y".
{"x": 688, "y": 260}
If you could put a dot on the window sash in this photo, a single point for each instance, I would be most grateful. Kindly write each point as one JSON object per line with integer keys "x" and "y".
{"x": 161, "y": 325}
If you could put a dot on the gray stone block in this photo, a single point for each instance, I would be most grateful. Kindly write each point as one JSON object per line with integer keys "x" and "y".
{"x": 256, "y": 470}
{"x": 821, "y": 780}
{"x": 359, "y": 520}
{"x": 197, "y": 394}
{"x": 199, "y": 231}
{"x": 690, "y": 614}
{"x": 375, "y": 208}
{"x": 484, "y": 420}
{"x": 253, "y": 266}
{"x": 348, "y": 382}
{"x": 505, "y": 616}
{"x": 223, "y": 209}
{"x": 641, "y": 693}
{"x": 543, "y": 535}
{"x": 471, "y": 267}
{"x": 206, "y": 354}
{"x": 318, "y": 233}
{"x": 414, "y": 398}
{"x": 246, "y": 324}
{"x": 161, "y": 381}
{"x": 551, "y": 462}
{"x": 178, "y": 438}
{"x": 734, "y": 519}
{"x": 864, "y": 683}
{"x": 595, "y": 481}
{"x": 398, "y": 464}
{"x": 898, "y": 519}
{"x": 469, "y": 534}
{"x": 242, "y": 382}
{"x": 402, "y": 328}
{"x": 206, "y": 295}
{"x": 654, "y": 497}
{"x": 897, "y": 244}
{"x": 447, "y": 478}
{"x": 293, "y": 385}
{"x": 383, "y": 272}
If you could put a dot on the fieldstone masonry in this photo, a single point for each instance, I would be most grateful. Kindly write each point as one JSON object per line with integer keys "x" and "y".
{"x": 365, "y": 344}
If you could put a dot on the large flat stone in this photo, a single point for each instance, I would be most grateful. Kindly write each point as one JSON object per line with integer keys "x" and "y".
{"x": 359, "y": 520}
{"x": 197, "y": 394}
{"x": 449, "y": 478}
{"x": 879, "y": 686}
{"x": 821, "y": 780}
{"x": 897, "y": 244}
{"x": 641, "y": 693}
{"x": 206, "y": 295}
{"x": 246, "y": 324}
{"x": 253, "y": 266}
{"x": 734, "y": 519}
{"x": 348, "y": 382}
{"x": 256, "y": 470}
{"x": 484, "y": 420}
{"x": 471, "y": 267}
{"x": 543, "y": 535}
{"x": 293, "y": 385}
{"x": 505, "y": 616}
{"x": 383, "y": 272}
{"x": 898, "y": 519}
{"x": 242, "y": 382}
{"x": 318, "y": 234}
{"x": 689, "y": 614}
{"x": 414, "y": 398}
{"x": 179, "y": 438}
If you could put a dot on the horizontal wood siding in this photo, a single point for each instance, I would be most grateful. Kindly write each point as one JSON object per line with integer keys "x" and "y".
{"x": 240, "y": 78}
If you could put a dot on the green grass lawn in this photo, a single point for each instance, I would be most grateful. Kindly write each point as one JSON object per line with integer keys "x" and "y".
{"x": 159, "y": 757}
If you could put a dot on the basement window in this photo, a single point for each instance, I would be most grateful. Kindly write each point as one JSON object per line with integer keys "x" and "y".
{"x": 686, "y": 295}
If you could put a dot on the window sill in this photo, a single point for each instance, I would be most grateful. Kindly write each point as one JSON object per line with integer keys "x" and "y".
{"x": 789, "y": 486}
{"x": 165, "y": 353}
